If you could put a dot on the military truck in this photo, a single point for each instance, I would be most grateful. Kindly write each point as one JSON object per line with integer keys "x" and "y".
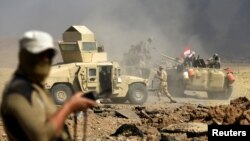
{"x": 218, "y": 83}
{"x": 85, "y": 68}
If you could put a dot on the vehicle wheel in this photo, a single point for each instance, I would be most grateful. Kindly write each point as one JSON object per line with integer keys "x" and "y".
{"x": 176, "y": 88}
{"x": 228, "y": 92}
{"x": 119, "y": 100}
{"x": 212, "y": 95}
{"x": 61, "y": 93}
{"x": 137, "y": 93}
{"x": 223, "y": 95}
{"x": 176, "y": 85}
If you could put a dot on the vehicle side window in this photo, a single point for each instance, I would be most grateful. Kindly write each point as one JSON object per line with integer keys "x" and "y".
{"x": 88, "y": 46}
{"x": 92, "y": 74}
{"x": 69, "y": 47}
{"x": 119, "y": 72}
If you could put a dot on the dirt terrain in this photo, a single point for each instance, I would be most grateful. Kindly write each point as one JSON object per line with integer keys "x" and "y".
{"x": 185, "y": 120}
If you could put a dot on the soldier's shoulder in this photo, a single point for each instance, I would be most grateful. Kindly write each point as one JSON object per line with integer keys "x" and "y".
{"x": 20, "y": 86}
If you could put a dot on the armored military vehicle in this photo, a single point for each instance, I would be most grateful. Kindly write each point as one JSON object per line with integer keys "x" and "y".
{"x": 218, "y": 83}
{"x": 86, "y": 68}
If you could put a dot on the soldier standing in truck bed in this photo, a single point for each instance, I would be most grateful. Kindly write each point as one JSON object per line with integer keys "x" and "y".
{"x": 163, "y": 86}
{"x": 214, "y": 61}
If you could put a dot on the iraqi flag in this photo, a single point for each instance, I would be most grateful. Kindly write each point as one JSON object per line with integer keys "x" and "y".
{"x": 186, "y": 51}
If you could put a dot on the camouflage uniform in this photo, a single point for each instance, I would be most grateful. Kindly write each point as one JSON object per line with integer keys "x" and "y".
{"x": 163, "y": 86}
{"x": 26, "y": 107}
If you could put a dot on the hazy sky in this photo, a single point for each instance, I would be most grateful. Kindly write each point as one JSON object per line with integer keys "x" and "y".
{"x": 221, "y": 26}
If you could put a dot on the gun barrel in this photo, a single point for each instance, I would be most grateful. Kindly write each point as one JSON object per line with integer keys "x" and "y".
{"x": 171, "y": 58}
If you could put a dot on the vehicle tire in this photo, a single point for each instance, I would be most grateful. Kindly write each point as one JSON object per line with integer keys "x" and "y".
{"x": 61, "y": 93}
{"x": 213, "y": 95}
{"x": 137, "y": 93}
{"x": 228, "y": 92}
{"x": 119, "y": 100}
{"x": 176, "y": 88}
{"x": 176, "y": 85}
{"x": 221, "y": 95}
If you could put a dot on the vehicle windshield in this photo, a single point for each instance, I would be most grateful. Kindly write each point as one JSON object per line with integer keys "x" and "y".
{"x": 68, "y": 47}
{"x": 88, "y": 46}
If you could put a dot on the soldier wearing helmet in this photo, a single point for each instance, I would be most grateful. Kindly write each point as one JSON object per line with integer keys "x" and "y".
{"x": 214, "y": 61}
{"x": 28, "y": 113}
{"x": 163, "y": 86}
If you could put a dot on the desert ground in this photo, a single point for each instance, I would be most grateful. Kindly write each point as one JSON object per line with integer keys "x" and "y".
{"x": 162, "y": 120}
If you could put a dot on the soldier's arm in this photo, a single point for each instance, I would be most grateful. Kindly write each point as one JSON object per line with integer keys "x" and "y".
{"x": 162, "y": 76}
{"x": 76, "y": 103}
{"x": 157, "y": 74}
{"x": 31, "y": 116}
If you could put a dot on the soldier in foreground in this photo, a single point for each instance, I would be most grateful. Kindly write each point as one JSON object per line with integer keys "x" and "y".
{"x": 28, "y": 112}
{"x": 163, "y": 86}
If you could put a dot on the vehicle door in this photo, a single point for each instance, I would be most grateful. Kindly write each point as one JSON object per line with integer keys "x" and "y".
{"x": 92, "y": 79}
{"x": 105, "y": 78}
{"x": 82, "y": 78}
{"x": 116, "y": 78}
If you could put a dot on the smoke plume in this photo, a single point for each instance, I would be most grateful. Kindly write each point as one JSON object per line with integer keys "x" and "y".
{"x": 210, "y": 26}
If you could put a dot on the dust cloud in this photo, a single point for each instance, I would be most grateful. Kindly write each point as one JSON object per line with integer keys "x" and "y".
{"x": 220, "y": 26}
